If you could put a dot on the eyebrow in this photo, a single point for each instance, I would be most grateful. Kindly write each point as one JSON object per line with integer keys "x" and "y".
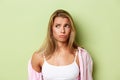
{"x": 57, "y": 24}
{"x": 64, "y": 24}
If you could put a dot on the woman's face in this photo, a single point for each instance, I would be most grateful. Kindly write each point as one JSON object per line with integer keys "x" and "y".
{"x": 61, "y": 29}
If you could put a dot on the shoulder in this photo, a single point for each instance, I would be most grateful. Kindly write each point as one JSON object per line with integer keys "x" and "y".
{"x": 37, "y": 58}
{"x": 37, "y": 61}
{"x": 84, "y": 53}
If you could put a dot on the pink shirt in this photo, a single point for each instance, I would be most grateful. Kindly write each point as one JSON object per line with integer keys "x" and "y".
{"x": 86, "y": 64}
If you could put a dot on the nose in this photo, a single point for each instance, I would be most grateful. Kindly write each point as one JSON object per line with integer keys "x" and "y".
{"x": 62, "y": 30}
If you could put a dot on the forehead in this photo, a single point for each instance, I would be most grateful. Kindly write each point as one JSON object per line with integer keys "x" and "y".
{"x": 61, "y": 20}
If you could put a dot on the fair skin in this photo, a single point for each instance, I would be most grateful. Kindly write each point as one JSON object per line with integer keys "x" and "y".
{"x": 63, "y": 55}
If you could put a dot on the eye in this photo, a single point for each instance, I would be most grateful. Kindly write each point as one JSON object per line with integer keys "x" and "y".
{"x": 67, "y": 25}
{"x": 57, "y": 26}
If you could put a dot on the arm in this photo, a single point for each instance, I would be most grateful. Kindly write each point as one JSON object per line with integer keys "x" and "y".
{"x": 34, "y": 71}
{"x": 86, "y": 65}
{"x": 89, "y": 69}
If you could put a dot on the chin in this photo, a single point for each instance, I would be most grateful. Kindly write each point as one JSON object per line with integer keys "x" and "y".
{"x": 63, "y": 41}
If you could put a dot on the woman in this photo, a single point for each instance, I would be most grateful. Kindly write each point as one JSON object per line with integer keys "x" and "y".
{"x": 60, "y": 58}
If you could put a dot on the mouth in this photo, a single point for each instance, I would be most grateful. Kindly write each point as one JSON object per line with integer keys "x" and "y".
{"x": 62, "y": 36}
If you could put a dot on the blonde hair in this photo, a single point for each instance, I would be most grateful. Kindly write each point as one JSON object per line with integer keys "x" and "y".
{"x": 49, "y": 45}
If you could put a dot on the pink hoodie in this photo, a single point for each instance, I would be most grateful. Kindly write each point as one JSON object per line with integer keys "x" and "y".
{"x": 86, "y": 64}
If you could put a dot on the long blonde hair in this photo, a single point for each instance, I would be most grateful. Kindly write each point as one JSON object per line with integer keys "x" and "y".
{"x": 49, "y": 45}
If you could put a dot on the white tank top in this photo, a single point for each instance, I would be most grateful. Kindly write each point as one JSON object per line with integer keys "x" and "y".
{"x": 67, "y": 72}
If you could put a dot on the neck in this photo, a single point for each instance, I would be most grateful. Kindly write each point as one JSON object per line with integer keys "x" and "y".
{"x": 62, "y": 47}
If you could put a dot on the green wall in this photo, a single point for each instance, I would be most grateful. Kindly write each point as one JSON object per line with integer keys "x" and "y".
{"x": 23, "y": 25}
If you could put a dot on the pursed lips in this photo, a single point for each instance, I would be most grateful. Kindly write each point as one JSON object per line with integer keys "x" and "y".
{"x": 62, "y": 36}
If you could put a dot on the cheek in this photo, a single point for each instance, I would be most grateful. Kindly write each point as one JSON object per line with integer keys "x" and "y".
{"x": 68, "y": 31}
{"x": 55, "y": 32}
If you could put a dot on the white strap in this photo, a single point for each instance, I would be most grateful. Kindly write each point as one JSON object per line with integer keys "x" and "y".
{"x": 76, "y": 55}
{"x": 44, "y": 57}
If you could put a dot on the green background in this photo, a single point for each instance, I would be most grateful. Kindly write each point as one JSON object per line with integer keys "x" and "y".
{"x": 23, "y": 26}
